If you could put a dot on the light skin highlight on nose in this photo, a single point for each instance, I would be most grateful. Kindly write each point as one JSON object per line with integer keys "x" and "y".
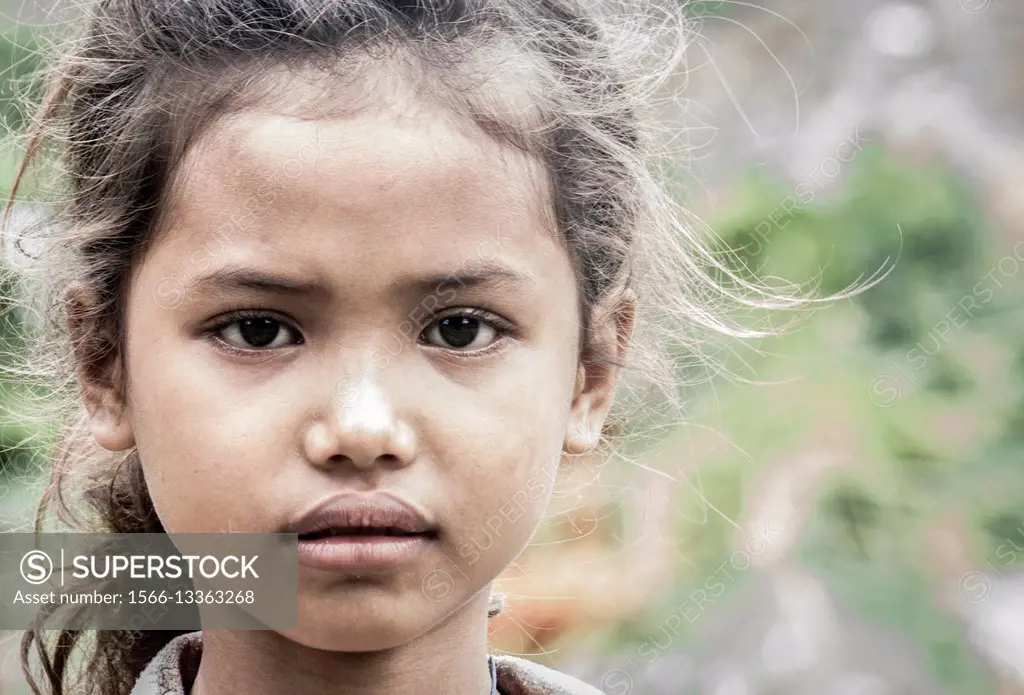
{"x": 362, "y": 429}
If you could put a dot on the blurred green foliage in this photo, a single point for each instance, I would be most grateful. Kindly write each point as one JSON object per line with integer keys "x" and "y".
{"x": 705, "y": 8}
{"x": 19, "y": 62}
{"x": 924, "y": 372}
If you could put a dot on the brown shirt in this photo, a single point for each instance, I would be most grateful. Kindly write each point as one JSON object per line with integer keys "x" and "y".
{"x": 177, "y": 662}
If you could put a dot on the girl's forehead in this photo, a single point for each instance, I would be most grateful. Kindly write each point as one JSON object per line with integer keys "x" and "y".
{"x": 396, "y": 146}
{"x": 412, "y": 186}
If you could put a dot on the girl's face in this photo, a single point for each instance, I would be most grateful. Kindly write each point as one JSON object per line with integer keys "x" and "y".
{"x": 369, "y": 303}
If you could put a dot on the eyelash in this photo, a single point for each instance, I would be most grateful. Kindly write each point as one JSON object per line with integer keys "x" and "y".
{"x": 232, "y": 317}
{"x": 502, "y": 327}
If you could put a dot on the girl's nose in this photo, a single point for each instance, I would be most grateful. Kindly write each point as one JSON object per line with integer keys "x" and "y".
{"x": 361, "y": 428}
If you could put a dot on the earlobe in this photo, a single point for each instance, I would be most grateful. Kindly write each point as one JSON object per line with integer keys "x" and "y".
{"x": 579, "y": 444}
{"x": 597, "y": 375}
{"x": 576, "y": 439}
{"x": 98, "y": 370}
{"x": 111, "y": 429}
{"x": 580, "y": 438}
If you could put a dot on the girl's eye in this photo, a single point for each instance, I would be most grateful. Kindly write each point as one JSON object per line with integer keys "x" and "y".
{"x": 463, "y": 332}
{"x": 257, "y": 333}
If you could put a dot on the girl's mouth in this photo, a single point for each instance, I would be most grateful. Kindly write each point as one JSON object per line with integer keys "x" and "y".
{"x": 363, "y": 550}
{"x": 360, "y": 531}
{"x": 377, "y": 531}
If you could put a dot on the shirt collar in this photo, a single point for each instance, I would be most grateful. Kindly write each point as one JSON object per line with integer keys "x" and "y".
{"x": 174, "y": 668}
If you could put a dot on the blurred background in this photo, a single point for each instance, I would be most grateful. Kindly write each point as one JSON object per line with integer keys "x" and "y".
{"x": 848, "y": 517}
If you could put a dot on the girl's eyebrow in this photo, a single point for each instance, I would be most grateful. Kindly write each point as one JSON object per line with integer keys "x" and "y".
{"x": 236, "y": 279}
{"x": 242, "y": 278}
{"x": 488, "y": 274}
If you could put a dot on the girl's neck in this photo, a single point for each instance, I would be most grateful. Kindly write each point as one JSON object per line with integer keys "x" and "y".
{"x": 452, "y": 659}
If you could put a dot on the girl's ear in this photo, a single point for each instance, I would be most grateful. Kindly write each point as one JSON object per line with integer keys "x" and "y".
{"x": 98, "y": 367}
{"x": 611, "y": 328}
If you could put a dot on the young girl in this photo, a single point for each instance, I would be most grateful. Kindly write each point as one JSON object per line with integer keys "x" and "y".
{"x": 383, "y": 258}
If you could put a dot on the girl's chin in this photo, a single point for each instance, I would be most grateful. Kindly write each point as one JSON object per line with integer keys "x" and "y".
{"x": 362, "y": 623}
{"x": 333, "y": 636}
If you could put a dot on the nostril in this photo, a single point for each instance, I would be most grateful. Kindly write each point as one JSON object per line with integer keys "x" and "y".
{"x": 383, "y": 459}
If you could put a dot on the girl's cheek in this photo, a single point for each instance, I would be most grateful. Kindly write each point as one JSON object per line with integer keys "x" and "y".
{"x": 508, "y": 499}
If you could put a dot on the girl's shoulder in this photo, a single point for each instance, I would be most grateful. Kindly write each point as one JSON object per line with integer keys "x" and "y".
{"x": 523, "y": 677}
{"x": 175, "y": 665}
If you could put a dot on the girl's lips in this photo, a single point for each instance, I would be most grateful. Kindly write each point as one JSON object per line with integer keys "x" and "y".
{"x": 353, "y": 511}
{"x": 365, "y": 531}
{"x": 362, "y": 552}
